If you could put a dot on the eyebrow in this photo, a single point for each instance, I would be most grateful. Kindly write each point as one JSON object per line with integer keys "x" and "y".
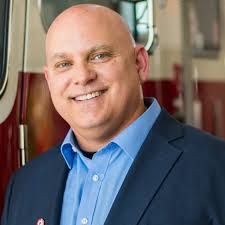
{"x": 100, "y": 47}
{"x": 60, "y": 56}
{"x": 63, "y": 55}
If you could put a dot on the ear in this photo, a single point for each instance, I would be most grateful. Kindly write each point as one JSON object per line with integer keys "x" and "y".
{"x": 142, "y": 62}
{"x": 46, "y": 73}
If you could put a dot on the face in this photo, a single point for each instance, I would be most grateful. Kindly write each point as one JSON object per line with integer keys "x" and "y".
{"x": 94, "y": 73}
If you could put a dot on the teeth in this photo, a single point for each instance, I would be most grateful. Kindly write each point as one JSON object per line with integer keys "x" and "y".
{"x": 88, "y": 96}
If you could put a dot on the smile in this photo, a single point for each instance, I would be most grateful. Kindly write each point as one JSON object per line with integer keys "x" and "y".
{"x": 89, "y": 96}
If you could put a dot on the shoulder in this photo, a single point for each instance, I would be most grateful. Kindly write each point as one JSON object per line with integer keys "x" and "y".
{"x": 32, "y": 184}
{"x": 190, "y": 140}
{"x": 203, "y": 141}
{"x": 48, "y": 158}
{"x": 41, "y": 166}
{"x": 47, "y": 169}
{"x": 202, "y": 153}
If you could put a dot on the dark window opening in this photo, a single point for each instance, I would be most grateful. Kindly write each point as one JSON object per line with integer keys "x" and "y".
{"x": 4, "y": 18}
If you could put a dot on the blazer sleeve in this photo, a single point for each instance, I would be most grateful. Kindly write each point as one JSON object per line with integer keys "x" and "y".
{"x": 7, "y": 204}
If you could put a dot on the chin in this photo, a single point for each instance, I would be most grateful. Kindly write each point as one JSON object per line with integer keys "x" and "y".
{"x": 89, "y": 124}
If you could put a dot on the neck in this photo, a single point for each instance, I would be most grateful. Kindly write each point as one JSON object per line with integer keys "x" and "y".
{"x": 93, "y": 139}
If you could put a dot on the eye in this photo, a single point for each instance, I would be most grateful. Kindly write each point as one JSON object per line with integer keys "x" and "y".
{"x": 63, "y": 65}
{"x": 101, "y": 57}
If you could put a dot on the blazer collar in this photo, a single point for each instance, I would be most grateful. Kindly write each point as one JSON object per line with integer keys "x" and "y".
{"x": 59, "y": 188}
{"x": 53, "y": 189}
{"x": 150, "y": 169}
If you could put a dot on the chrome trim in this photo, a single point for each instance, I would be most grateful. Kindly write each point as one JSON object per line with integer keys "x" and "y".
{"x": 7, "y": 51}
{"x": 23, "y": 143}
{"x": 152, "y": 33}
{"x": 14, "y": 56}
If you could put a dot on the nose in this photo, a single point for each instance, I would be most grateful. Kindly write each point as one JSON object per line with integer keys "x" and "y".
{"x": 84, "y": 75}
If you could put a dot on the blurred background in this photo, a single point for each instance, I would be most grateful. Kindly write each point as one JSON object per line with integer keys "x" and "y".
{"x": 186, "y": 44}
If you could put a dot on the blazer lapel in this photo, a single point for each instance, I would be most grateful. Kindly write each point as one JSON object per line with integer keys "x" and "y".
{"x": 53, "y": 190}
{"x": 59, "y": 187}
{"x": 151, "y": 167}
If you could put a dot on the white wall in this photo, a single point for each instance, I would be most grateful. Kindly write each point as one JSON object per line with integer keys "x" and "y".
{"x": 168, "y": 22}
{"x": 35, "y": 40}
{"x": 169, "y": 51}
{"x": 213, "y": 69}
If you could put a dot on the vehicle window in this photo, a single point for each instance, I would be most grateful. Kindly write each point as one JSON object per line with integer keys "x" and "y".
{"x": 136, "y": 15}
{"x": 49, "y": 9}
{"x": 4, "y": 11}
{"x": 135, "y": 12}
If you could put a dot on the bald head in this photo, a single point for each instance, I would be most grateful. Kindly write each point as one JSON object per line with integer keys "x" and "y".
{"x": 94, "y": 72}
{"x": 94, "y": 12}
{"x": 92, "y": 18}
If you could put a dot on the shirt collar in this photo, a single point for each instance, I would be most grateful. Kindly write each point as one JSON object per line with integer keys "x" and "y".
{"x": 129, "y": 140}
{"x": 68, "y": 148}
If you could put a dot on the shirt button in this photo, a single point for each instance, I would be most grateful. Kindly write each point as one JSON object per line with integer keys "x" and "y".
{"x": 84, "y": 221}
{"x": 95, "y": 178}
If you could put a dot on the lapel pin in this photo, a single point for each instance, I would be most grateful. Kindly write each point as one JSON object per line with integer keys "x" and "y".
{"x": 40, "y": 222}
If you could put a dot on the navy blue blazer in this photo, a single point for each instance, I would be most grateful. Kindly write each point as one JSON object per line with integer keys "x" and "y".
{"x": 177, "y": 178}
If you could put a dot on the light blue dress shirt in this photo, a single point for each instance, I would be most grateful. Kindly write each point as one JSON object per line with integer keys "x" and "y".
{"x": 92, "y": 185}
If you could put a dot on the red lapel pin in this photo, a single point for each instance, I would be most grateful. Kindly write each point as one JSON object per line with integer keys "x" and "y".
{"x": 40, "y": 222}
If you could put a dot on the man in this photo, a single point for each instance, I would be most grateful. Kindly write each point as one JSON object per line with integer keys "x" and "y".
{"x": 123, "y": 162}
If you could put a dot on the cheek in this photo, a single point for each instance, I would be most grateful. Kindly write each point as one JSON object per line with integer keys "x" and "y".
{"x": 110, "y": 70}
{"x": 58, "y": 85}
{"x": 114, "y": 72}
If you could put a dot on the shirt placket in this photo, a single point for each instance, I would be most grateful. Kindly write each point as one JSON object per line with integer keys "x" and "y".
{"x": 95, "y": 177}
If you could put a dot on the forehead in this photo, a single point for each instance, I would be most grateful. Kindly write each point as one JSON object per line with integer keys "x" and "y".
{"x": 79, "y": 44}
{"x": 83, "y": 31}
{"x": 77, "y": 38}
{"x": 69, "y": 54}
